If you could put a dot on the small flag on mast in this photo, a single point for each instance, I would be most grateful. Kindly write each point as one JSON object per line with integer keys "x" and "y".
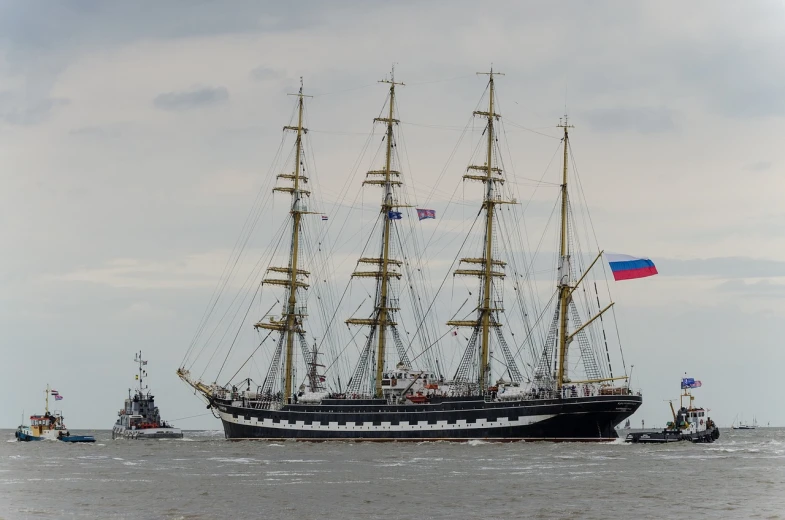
{"x": 689, "y": 382}
{"x": 58, "y": 397}
{"x": 394, "y": 215}
{"x": 425, "y": 213}
{"x": 324, "y": 217}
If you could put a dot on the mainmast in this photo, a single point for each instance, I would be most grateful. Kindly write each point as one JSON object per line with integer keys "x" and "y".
{"x": 290, "y": 324}
{"x": 565, "y": 291}
{"x": 384, "y": 305}
{"x": 387, "y": 208}
{"x": 487, "y": 306}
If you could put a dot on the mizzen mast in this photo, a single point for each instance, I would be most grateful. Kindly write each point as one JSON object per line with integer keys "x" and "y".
{"x": 565, "y": 291}
{"x": 290, "y": 324}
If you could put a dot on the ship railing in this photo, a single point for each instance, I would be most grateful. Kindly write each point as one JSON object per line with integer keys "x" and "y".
{"x": 576, "y": 391}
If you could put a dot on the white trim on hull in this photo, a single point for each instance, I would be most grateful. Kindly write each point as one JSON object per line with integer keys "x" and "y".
{"x": 403, "y": 426}
{"x": 119, "y": 432}
{"x": 555, "y": 419}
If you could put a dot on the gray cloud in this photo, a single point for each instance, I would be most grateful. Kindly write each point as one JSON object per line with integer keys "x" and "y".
{"x": 38, "y": 24}
{"x": 263, "y": 73}
{"x": 107, "y": 131}
{"x": 759, "y": 166}
{"x": 644, "y": 120}
{"x": 759, "y": 289}
{"x": 31, "y": 114}
{"x": 194, "y": 98}
{"x": 724, "y": 267}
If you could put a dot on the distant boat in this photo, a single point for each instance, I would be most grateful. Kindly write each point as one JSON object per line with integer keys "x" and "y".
{"x": 744, "y": 426}
{"x": 49, "y": 426}
{"x": 627, "y": 425}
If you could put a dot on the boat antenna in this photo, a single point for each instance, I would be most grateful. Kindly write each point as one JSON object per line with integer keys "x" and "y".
{"x": 142, "y": 372}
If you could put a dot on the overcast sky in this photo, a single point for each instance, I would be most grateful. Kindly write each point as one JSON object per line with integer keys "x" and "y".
{"x": 134, "y": 137}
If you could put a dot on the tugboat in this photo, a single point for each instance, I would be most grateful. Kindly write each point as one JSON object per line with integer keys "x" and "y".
{"x": 689, "y": 423}
{"x": 140, "y": 418}
{"x": 49, "y": 426}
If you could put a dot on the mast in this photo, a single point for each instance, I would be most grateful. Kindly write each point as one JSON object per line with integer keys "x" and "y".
{"x": 565, "y": 291}
{"x": 47, "y": 398}
{"x": 290, "y": 324}
{"x": 486, "y": 307}
{"x": 489, "y": 206}
{"x": 291, "y": 316}
{"x": 142, "y": 373}
{"x": 382, "y": 308}
{"x": 387, "y": 207}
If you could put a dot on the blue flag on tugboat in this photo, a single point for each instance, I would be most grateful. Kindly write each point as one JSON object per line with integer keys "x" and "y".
{"x": 394, "y": 215}
{"x": 688, "y": 382}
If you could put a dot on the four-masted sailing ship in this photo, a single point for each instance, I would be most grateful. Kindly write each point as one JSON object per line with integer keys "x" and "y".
{"x": 395, "y": 395}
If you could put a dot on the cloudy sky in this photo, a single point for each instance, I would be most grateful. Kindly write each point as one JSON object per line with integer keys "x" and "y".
{"x": 135, "y": 136}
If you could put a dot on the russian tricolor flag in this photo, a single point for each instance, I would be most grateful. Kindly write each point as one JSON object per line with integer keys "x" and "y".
{"x": 626, "y": 267}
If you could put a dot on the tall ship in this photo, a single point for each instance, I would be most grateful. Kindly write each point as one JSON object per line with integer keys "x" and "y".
{"x": 140, "y": 418}
{"x": 49, "y": 426}
{"x": 418, "y": 381}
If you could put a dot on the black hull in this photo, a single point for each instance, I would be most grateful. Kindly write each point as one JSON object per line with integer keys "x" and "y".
{"x": 590, "y": 418}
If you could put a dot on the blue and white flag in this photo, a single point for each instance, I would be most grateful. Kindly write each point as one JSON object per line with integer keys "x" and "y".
{"x": 689, "y": 382}
{"x": 394, "y": 215}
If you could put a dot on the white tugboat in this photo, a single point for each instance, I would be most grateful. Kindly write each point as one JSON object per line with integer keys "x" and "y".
{"x": 140, "y": 418}
{"x": 690, "y": 423}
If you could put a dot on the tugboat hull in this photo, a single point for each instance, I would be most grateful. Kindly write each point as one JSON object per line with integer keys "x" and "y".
{"x": 576, "y": 419}
{"x": 665, "y": 436}
{"x": 77, "y": 438}
{"x": 119, "y": 432}
{"x": 26, "y": 437}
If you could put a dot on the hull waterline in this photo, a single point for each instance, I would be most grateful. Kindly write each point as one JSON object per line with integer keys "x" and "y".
{"x": 591, "y": 419}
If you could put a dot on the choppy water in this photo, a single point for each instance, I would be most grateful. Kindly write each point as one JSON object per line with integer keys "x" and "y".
{"x": 204, "y": 476}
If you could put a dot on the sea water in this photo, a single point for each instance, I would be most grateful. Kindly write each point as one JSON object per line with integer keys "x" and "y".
{"x": 204, "y": 476}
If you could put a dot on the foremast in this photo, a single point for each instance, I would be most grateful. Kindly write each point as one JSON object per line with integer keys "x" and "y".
{"x": 291, "y": 323}
{"x": 490, "y": 267}
{"x": 385, "y": 306}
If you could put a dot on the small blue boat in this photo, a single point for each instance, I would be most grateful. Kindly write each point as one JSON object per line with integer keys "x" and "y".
{"x": 49, "y": 426}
